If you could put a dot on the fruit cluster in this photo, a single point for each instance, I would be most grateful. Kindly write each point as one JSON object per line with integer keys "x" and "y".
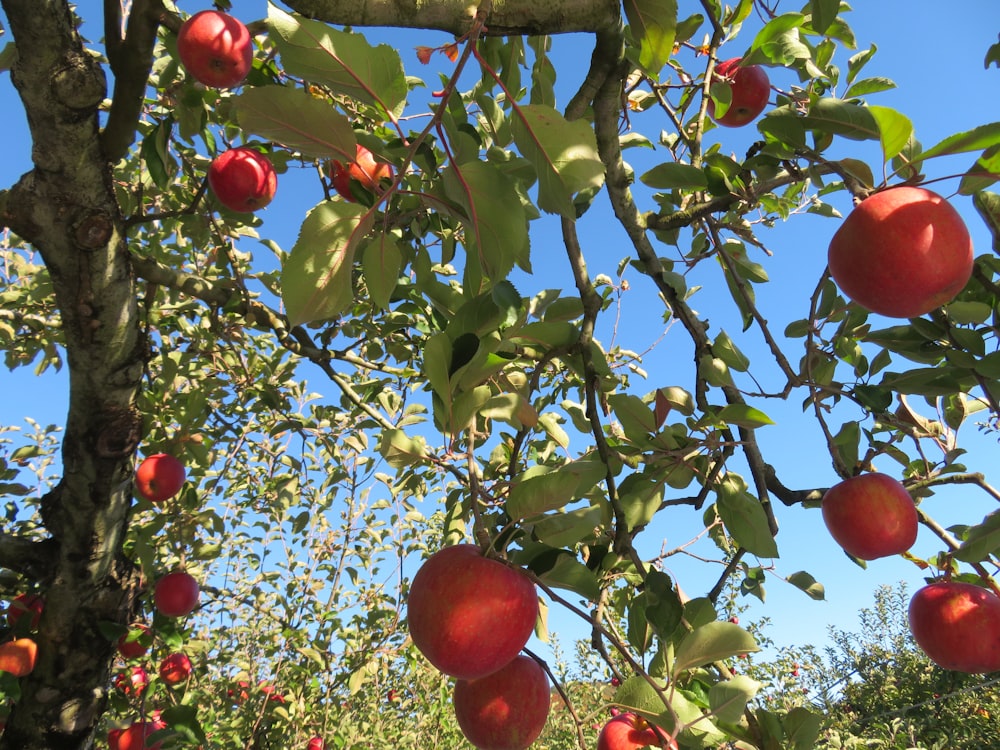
{"x": 471, "y": 616}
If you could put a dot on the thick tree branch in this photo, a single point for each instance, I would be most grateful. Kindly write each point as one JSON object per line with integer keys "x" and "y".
{"x": 131, "y": 60}
{"x": 507, "y": 17}
{"x": 31, "y": 558}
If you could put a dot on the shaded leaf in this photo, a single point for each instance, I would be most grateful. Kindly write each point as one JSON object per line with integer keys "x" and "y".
{"x": 653, "y": 24}
{"x": 296, "y": 120}
{"x": 381, "y": 260}
{"x": 744, "y": 517}
{"x": 542, "y": 489}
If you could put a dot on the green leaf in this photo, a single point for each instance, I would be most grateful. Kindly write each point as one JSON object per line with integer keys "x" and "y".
{"x": 728, "y": 699}
{"x": 843, "y": 118}
{"x": 184, "y": 720}
{"x": 674, "y": 175}
{"x": 982, "y": 174}
{"x": 808, "y": 584}
{"x": 987, "y": 205}
{"x": 564, "y": 155}
{"x": 636, "y": 418}
{"x": 653, "y": 24}
{"x": 400, "y": 450}
{"x": 895, "y": 130}
{"x": 869, "y": 86}
{"x": 344, "y": 61}
{"x": 561, "y": 569}
{"x": 711, "y": 642}
{"x": 724, "y": 348}
{"x": 296, "y": 120}
{"x": 381, "y": 259}
{"x": 992, "y": 56}
{"x": 566, "y": 528}
{"x": 981, "y": 541}
{"x": 316, "y": 279}
{"x": 744, "y": 416}
{"x": 823, "y": 13}
{"x": 542, "y": 489}
{"x": 978, "y": 138}
{"x": 802, "y": 728}
{"x": 744, "y": 517}
{"x": 496, "y": 226}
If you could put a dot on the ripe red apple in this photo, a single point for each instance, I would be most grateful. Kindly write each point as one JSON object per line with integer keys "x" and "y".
{"x": 316, "y": 743}
{"x": 176, "y": 594}
{"x": 629, "y": 731}
{"x": 243, "y": 179}
{"x": 135, "y": 643}
{"x": 505, "y": 710}
{"x": 871, "y": 516}
{"x": 175, "y": 669}
{"x": 958, "y": 626}
{"x": 364, "y": 169}
{"x": 21, "y": 605}
{"x": 215, "y": 48}
{"x": 159, "y": 477}
{"x": 468, "y": 614}
{"x": 134, "y": 736}
{"x": 750, "y": 89}
{"x": 134, "y": 680}
{"x": 901, "y": 252}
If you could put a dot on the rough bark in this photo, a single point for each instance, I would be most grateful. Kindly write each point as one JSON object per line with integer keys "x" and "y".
{"x": 66, "y": 208}
{"x": 455, "y": 16}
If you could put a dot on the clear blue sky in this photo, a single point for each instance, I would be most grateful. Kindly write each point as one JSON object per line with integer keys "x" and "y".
{"x": 934, "y": 52}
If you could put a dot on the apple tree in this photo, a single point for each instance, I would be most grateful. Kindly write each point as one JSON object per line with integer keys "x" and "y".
{"x": 435, "y": 353}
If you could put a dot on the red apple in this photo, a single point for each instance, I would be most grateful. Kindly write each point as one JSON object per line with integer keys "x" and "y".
{"x": 134, "y": 680}
{"x": 505, "y": 710}
{"x": 750, "y": 89}
{"x": 175, "y": 669}
{"x": 21, "y": 605}
{"x": 243, "y": 179}
{"x": 135, "y": 643}
{"x": 871, "y": 516}
{"x": 468, "y": 614}
{"x": 215, "y": 48}
{"x": 159, "y": 477}
{"x": 958, "y": 626}
{"x": 176, "y": 594}
{"x": 629, "y": 731}
{"x": 901, "y": 252}
{"x": 364, "y": 169}
{"x": 134, "y": 736}
{"x": 316, "y": 743}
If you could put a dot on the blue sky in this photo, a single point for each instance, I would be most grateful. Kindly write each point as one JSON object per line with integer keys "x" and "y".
{"x": 935, "y": 56}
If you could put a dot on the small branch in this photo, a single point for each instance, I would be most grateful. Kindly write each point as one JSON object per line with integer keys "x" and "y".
{"x": 31, "y": 558}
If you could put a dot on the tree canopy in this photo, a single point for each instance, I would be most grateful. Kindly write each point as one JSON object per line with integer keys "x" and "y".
{"x": 348, "y": 403}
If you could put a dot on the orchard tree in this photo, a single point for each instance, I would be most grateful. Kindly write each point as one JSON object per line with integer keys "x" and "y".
{"x": 382, "y": 388}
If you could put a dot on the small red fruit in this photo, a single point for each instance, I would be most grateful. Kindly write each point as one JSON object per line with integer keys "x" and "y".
{"x": 18, "y": 656}
{"x": 871, "y": 516}
{"x": 159, "y": 477}
{"x": 134, "y": 736}
{"x": 505, "y": 710}
{"x": 135, "y": 680}
{"x": 629, "y": 731}
{"x": 135, "y": 643}
{"x": 958, "y": 626}
{"x": 215, "y": 48}
{"x": 175, "y": 669}
{"x": 468, "y": 614}
{"x": 22, "y": 604}
{"x": 750, "y": 88}
{"x": 316, "y": 743}
{"x": 364, "y": 169}
{"x": 243, "y": 179}
{"x": 176, "y": 594}
{"x": 901, "y": 252}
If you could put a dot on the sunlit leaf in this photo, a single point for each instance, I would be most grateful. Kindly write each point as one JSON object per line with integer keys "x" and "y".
{"x": 653, "y": 24}
{"x": 316, "y": 280}
{"x": 712, "y": 642}
{"x": 895, "y": 130}
{"x": 728, "y": 699}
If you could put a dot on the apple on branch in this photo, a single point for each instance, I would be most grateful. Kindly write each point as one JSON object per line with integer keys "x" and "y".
{"x": 957, "y": 625}
{"x": 629, "y": 731}
{"x": 749, "y": 89}
{"x": 243, "y": 179}
{"x": 159, "y": 477}
{"x": 870, "y": 516}
{"x": 505, "y": 710}
{"x": 176, "y": 594}
{"x": 215, "y": 49}
{"x": 365, "y": 170}
{"x": 470, "y": 615}
{"x": 901, "y": 252}
{"x": 175, "y": 669}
